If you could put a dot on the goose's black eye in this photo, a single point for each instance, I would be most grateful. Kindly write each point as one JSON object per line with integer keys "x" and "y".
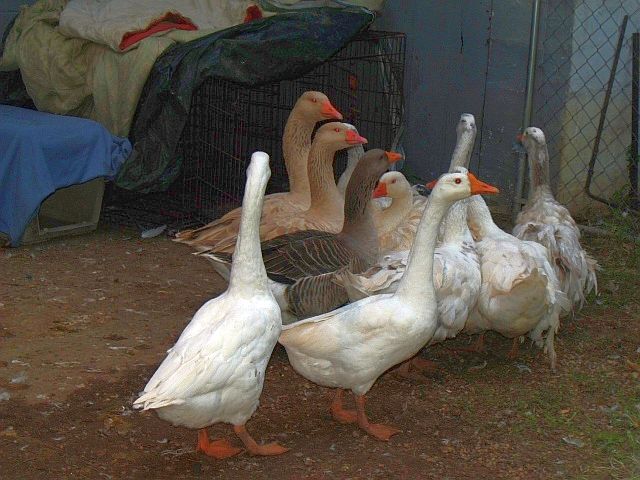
{"x": 337, "y": 129}
{"x": 314, "y": 100}
{"x": 457, "y": 180}
{"x": 393, "y": 181}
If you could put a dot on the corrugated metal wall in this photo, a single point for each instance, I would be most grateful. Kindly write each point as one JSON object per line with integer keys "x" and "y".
{"x": 466, "y": 56}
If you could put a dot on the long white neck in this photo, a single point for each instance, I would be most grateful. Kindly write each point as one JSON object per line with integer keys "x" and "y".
{"x": 296, "y": 143}
{"x": 353, "y": 157}
{"x": 248, "y": 275}
{"x": 417, "y": 281}
{"x": 480, "y": 220}
{"x": 454, "y": 229}
{"x": 462, "y": 152}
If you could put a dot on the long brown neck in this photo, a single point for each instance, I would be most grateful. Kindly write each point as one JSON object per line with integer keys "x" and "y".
{"x": 538, "y": 157}
{"x": 325, "y": 196}
{"x": 358, "y": 216}
{"x": 296, "y": 143}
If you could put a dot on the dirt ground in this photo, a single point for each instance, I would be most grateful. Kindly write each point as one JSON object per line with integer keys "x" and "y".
{"x": 84, "y": 322}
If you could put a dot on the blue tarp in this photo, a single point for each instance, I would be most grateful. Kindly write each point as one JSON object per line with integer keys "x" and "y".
{"x": 41, "y": 152}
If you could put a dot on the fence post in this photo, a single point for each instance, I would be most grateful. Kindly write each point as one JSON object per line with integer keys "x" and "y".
{"x": 635, "y": 97}
{"x": 528, "y": 105}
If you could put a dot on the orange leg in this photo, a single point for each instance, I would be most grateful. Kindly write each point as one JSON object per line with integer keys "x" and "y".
{"x": 253, "y": 447}
{"x": 513, "y": 353}
{"x": 376, "y": 430}
{"x": 218, "y": 449}
{"x": 477, "y": 347}
{"x": 423, "y": 365}
{"x": 403, "y": 370}
{"x": 339, "y": 413}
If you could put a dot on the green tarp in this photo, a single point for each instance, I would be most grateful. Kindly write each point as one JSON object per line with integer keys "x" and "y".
{"x": 282, "y": 47}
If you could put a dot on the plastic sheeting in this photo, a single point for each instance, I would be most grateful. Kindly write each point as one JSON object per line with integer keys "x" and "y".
{"x": 282, "y": 47}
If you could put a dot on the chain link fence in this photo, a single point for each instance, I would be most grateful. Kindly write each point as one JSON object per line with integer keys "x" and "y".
{"x": 584, "y": 101}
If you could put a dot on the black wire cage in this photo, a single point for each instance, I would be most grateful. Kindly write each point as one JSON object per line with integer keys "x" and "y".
{"x": 228, "y": 122}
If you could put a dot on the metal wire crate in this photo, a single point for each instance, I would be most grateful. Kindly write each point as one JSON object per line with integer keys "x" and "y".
{"x": 228, "y": 122}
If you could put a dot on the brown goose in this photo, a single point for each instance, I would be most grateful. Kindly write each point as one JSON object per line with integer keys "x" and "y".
{"x": 325, "y": 211}
{"x": 302, "y": 265}
{"x": 310, "y": 108}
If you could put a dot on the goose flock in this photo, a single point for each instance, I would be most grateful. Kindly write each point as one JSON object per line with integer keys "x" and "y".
{"x": 356, "y": 277}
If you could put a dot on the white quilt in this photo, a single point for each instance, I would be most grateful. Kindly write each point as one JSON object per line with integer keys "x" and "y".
{"x": 107, "y": 21}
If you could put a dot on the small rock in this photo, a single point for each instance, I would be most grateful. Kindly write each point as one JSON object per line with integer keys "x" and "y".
{"x": 4, "y": 395}
{"x": 308, "y": 461}
{"x": 523, "y": 368}
{"x": 19, "y": 378}
{"x": 478, "y": 367}
{"x": 576, "y": 442}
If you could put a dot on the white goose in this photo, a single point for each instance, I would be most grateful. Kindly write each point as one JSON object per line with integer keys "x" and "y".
{"x": 353, "y": 345}
{"x": 520, "y": 293}
{"x": 215, "y": 371}
{"x": 549, "y": 223}
{"x": 397, "y": 223}
{"x": 456, "y": 270}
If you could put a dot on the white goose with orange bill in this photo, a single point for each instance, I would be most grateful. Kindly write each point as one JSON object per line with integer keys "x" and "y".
{"x": 349, "y": 348}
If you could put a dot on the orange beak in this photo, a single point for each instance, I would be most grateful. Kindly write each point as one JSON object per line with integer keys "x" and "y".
{"x": 393, "y": 157}
{"x": 329, "y": 111}
{"x": 432, "y": 184}
{"x": 354, "y": 139}
{"x": 478, "y": 186}
{"x": 380, "y": 191}
{"x": 519, "y": 137}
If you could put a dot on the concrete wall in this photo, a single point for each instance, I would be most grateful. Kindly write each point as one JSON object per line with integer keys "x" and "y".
{"x": 464, "y": 56}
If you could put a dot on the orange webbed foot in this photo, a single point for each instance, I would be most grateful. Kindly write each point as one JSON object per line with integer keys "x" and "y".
{"x": 380, "y": 431}
{"x": 423, "y": 365}
{"x": 338, "y": 413}
{"x": 269, "y": 449}
{"x": 217, "y": 449}
{"x": 376, "y": 430}
{"x": 253, "y": 448}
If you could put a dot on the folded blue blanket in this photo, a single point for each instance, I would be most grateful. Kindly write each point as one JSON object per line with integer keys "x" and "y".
{"x": 41, "y": 152}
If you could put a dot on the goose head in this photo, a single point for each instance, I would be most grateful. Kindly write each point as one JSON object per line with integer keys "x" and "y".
{"x": 337, "y": 136}
{"x": 357, "y": 217}
{"x": 467, "y": 123}
{"x": 535, "y": 144}
{"x": 457, "y": 185}
{"x": 316, "y": 106}
{"x": 393, "y": 185}
{"x": 465, "y": 137}
{"x": 532, "y": 137}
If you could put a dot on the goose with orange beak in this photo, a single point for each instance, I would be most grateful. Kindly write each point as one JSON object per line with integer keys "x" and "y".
{"x": 397, "y": 224}
{"x": 302, "y": 265}
{"x": 221, "y": 234}
{"x": 349, "y": 348}
{"x": 456, "y": 269}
